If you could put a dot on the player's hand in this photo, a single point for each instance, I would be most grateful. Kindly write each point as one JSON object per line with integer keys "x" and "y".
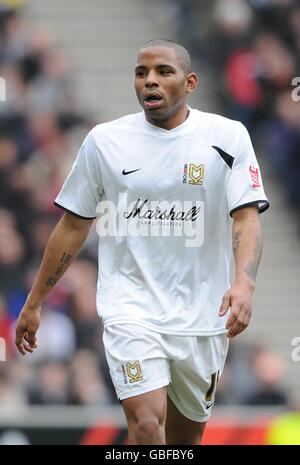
{"x": 26, "y": 328}
{"x": 239, "y": 299}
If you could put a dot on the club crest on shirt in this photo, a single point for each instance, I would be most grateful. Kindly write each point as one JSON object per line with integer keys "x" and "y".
{"x": 132, "y": 372}
{"x": 192, "y": 173}
{"x": 254, "y": 175}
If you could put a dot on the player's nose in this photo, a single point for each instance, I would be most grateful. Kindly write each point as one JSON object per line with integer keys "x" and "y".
{"x": 151, "y": 79}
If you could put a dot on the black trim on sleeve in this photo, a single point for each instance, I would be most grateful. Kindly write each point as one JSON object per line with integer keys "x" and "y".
{"x": 261, "y": 209}
{"x": 226, "y": 157}
{"x": 74, "y": 214}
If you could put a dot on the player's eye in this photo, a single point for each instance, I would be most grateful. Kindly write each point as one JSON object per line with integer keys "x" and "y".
{"x": 140, "y": 73}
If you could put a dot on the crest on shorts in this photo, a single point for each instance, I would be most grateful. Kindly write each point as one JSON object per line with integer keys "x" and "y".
{"x": 132, "y": 372}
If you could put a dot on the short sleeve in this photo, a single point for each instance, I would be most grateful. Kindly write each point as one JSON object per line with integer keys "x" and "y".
{"x": 244, "y": 186}
{"x": 82, "y": 190}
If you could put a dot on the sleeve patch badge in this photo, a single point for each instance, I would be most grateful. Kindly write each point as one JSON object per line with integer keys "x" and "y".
{"x": 254, "y": 175}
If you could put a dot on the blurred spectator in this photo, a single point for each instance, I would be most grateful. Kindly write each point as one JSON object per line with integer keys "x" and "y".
{"x": 190, "y": 23}
{"x": 12, "y": 398}
{"x": 237, "y": 380}
{"x": 82, "y": 279}
{"x": 282, "y": 142}
{"x": 6, "y": 324}
{"x": 88, "y": 387}
{"x": 51, "y": 386}
{"x": 12, "y": 251}
{"x": 253, "y": 376}
{"x": 20, "y": 374}
{"x": 269, "y": 370}
{"x": 284, "y": 429}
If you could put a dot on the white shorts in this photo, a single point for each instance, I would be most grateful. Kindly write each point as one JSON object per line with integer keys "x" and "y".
{"x": 141, "y": 360}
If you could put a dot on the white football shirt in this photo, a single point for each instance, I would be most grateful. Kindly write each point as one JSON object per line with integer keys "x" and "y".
{"x": 166, "y": 197}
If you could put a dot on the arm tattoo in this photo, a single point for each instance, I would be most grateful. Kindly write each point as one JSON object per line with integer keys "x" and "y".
{"x": 52, "y": 280}
{"x": 252, "y": 267}
{"x": 236, "y": 241}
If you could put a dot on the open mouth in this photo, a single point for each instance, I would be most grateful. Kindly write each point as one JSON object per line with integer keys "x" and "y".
{"x": 152, "y": 100}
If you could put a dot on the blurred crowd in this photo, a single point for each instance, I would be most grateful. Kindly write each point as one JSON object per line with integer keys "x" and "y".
{"x": 41, "y": 127}
{"x": 255, "y": 45}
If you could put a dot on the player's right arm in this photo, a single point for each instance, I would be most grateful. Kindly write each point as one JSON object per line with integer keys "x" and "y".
{"x": 62, "y": 248}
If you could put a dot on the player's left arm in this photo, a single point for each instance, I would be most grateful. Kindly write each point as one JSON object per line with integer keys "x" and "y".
{"x": 247, "y": 249}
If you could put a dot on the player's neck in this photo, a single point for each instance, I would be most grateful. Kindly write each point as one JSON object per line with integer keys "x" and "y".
{"x": 171, "y": 123}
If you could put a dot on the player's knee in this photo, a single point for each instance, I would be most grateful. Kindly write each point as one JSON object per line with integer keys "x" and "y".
{"x": 148, "y": 428}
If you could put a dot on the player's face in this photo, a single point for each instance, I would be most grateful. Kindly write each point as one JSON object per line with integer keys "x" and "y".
{"x": 162, "y": 86}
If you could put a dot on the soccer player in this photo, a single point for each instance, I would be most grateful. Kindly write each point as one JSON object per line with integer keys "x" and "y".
{"x": 185, "y": 188}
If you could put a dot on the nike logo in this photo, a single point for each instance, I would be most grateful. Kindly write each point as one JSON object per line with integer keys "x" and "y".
{"x": 129, "y": 172}
{"x": 208, "y": 406}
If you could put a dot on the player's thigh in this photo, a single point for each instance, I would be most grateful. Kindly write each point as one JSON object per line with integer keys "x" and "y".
{"x": 180, "y": 429}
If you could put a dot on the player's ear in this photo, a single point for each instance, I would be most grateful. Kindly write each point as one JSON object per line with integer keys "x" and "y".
{"x": 192, "y": 80}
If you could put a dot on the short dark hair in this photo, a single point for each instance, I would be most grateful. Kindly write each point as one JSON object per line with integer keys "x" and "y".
{"x": 182, "y": 54}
